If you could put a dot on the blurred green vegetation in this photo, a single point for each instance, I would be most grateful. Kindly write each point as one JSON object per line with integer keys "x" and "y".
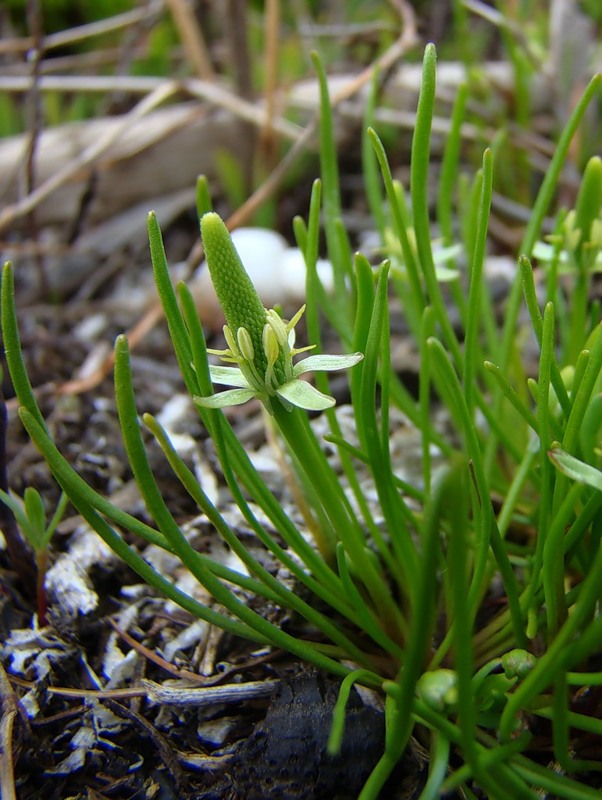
{"x": 62, "y": 14}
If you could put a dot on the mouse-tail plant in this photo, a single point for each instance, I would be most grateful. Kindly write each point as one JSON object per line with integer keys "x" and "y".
{"x": 467, "y": 593}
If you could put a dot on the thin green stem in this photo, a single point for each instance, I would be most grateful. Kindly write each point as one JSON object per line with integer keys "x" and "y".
{"x": 542, "y": 203}
{"x": 370, "y": 162}
{"x": 272, "y": 587}
{"x": 295, "y": 428}
{"x": 537, "y": 322}
{"x": 471, "y": 347}
{"x": 463, "y": 613}
{"x": 375, "y": 442}
{"x": 401, "y": 226}
{"x": 63, "y": 474}
{"x": 157, "y": 508}
{"x": 419, "y": 174}
{"x": 12, "y": 346}
{"x": 331, "y": 193}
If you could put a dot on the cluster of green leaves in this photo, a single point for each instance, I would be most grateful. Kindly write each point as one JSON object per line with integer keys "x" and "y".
{"x": 404, "y": 585}
{"x": 30, "y": 516}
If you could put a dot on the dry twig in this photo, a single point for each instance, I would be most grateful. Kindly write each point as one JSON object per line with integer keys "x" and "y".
{"x": 192, "y": 38}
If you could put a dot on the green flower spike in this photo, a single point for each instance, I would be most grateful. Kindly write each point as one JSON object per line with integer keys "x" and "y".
{"x": 260, "y": 342}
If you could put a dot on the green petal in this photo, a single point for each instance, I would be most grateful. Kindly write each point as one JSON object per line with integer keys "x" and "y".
{"x": 326, "y": 363}
{"x": 228, "y": 376}
{"x": 231, "y": 397}
{"x": 303, "y": 395}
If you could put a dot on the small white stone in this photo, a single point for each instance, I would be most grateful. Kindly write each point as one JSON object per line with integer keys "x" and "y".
{"x": 277, "y": 271}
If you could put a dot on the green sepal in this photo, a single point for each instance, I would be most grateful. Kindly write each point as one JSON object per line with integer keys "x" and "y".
{"x": 303, "y": 395}
{"x": 231, "y": 397}
{"x": 326, "y": 363}
{"x": 228, "y": 376}
{"x": 575, "y": 469}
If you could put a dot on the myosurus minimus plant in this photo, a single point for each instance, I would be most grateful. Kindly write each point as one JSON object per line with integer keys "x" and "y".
{"x": 505, "y": 702}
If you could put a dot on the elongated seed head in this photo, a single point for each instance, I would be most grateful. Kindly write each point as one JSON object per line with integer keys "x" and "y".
{"x": 237, "y": 296}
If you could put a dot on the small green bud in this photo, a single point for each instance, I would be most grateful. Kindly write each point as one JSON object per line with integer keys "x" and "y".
{"x": 518, "y": 663}
{"x": 572, "y": 233}
{"x": 245, "y": 344}
{"x": 439, "y": 689}
{"x": 595, "y": 234}
{"x": 272, "y": 351}
{"x": 588, "y": 207}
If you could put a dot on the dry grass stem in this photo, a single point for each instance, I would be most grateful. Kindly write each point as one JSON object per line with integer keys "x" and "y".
{"x": 68, "y": 37}
{"x": 192, "y": 38}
